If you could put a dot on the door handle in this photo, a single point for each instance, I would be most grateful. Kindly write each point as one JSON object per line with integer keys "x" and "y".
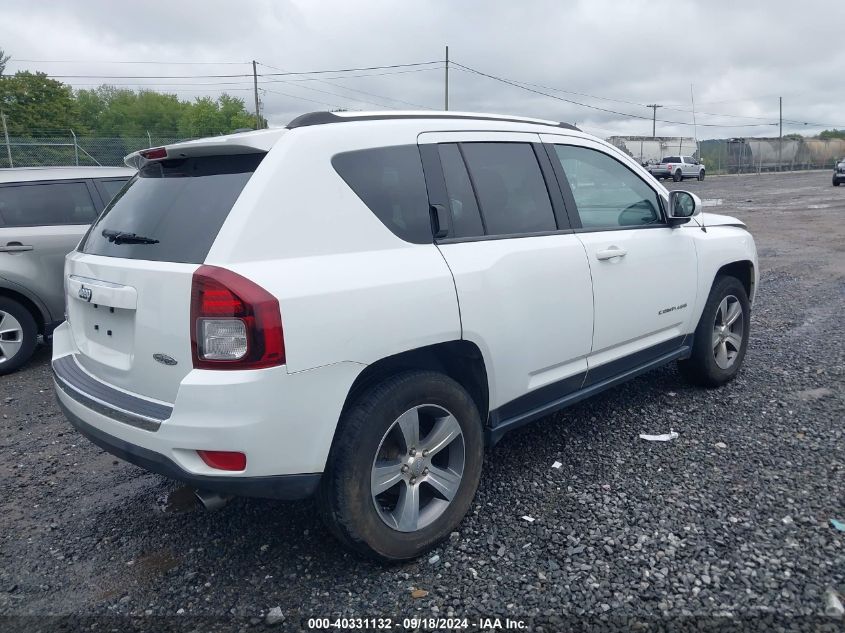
{"x": 610, "y": 253}
{"x": 15, "y": 247}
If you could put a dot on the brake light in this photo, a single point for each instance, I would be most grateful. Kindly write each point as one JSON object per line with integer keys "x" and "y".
{"x": 223, "y": 460}
{"x": 154, "y": 153}
{"x": 235, "y": 323}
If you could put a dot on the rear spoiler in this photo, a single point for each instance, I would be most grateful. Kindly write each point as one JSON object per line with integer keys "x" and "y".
{"x": 256, "y": 142}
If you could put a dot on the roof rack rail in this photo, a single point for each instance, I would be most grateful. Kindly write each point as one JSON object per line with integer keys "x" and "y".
{"x": 323, "y": 118}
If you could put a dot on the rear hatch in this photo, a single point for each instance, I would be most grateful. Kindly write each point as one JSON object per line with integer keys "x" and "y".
{"x": 128, "y": 285}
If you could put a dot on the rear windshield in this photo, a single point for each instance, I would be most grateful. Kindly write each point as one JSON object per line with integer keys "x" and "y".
{"x": 171, "y": 210}
{"x": 671, "y": 159}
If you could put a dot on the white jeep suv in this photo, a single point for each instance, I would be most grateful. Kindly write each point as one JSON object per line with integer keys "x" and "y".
{"x": 353, "y": 306}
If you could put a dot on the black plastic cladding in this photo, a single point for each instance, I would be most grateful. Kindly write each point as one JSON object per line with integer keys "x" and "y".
{"x": 322, "y": 118}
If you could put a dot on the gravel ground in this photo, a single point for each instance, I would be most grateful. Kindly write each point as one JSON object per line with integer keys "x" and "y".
{"x": 727, "y": 526}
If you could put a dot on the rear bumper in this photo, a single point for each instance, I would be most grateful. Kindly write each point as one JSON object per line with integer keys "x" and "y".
{"x": 283, "y": 422}
{"x": 271, "y": 487}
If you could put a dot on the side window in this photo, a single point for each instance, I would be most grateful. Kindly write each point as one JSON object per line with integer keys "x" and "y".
{"x": 607, "y": 194}
{"x": 109, "y": 188}
{"x": 389, "y": 180}
{"x": 511, "y": 190}
{"x": 466, "y": 220}
{"x": 46, "y": 204}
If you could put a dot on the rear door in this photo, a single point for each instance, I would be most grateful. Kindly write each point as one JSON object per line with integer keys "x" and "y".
{"x": 521, "y": 275}
{"x": 40, "y": 223}
{"x": 129, "y": 297}
{"x": 644, "y": 272}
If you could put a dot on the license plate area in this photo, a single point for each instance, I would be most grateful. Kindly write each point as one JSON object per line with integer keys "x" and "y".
{"x": 102, "y": 318}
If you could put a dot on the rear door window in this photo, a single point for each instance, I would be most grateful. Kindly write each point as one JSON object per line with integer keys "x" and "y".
{"x": 390, "y": 181}
{"x": 46, "y": 204}
{"x": 466, "y": 219}
{"x": 177, "y": 206}
{"x": 511, "y": 190}
{"x": 109, "y": 188}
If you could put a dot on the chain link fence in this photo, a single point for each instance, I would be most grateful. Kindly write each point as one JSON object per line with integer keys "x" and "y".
{"x": 57, "y": 151}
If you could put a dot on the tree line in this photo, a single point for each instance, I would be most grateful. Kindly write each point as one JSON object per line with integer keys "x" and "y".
{"x": 37, "y": 106}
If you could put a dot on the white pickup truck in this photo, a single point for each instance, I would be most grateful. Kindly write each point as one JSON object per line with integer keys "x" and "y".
{"x": 677, "y": 168}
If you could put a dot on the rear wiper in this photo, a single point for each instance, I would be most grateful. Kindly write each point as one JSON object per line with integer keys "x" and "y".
{"x": 121, "y": 237}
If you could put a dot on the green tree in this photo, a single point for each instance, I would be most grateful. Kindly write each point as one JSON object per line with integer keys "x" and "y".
{"x": 36, "y": 105}
{"x": 829, "y": 134}
{"x": 3, "y": 61}
{"x": 207, "y": 117}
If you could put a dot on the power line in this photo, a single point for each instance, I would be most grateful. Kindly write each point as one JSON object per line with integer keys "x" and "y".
{"x": 99, "y": 61}
{"x": 364, "y": 92}
{"x": 281, "y": 74}
{"x": 285, "y": 94}
{"x": 594, "y": 107}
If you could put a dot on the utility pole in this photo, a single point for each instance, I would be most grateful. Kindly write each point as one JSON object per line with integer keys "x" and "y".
{"x": 780, "y": 133}
{"x": 446, "y": 104}
{"x": 6, "y": 134}
{"x": 694, "y": 124}
{"x": 654, "y": 107}
{"x": 255, "y": 88}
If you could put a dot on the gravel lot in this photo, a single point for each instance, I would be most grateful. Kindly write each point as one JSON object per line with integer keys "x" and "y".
{"x": 728, "y": 525}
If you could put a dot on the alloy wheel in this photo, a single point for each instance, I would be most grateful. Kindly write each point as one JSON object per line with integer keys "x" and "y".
{"x": 11, "y": 336}
{"x": 418, "y": 468}
{"x": 728, "y": 331}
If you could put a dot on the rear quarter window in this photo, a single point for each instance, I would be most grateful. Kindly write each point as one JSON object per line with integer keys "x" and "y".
{"x": 389, "y": 180}
{"x": 46, "y": 204}
{"x": 179, "y": 204}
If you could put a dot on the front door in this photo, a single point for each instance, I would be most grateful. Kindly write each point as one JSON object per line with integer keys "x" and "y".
{"x": 644, "y": 272}
{"x": 521, "y": 274}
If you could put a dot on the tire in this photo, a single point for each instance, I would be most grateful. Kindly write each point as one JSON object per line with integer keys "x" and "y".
{"x": 717, "y": 357}
{"x": 370, "y": 431}
{"x": 835, "y": 182}
{"x": 18, "y": 335}
{"x": 701, "y": 175}
{"x": 677, "y": 176}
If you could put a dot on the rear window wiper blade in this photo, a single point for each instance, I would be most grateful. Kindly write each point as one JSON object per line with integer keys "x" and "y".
{"x": 122, "y": 237}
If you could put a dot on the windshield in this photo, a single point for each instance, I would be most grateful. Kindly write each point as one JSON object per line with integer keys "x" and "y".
{"x": 671, "y": 159}
{"x": 171, "y": 210}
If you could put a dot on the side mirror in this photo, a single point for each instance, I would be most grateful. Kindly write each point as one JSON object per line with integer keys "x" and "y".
{"x": 683, "y": 205}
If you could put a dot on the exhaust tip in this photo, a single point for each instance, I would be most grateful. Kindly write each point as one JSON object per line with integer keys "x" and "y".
{"x": 211, "y": 500}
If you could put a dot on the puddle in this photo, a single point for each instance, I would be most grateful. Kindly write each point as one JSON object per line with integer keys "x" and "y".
{"x": 818, "y": 206}
{"x": 712, "y": 202}
{"x": 179, "y": 501}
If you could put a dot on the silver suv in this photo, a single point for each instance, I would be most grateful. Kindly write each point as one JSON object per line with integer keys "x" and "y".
{"x": 44, "y": 212}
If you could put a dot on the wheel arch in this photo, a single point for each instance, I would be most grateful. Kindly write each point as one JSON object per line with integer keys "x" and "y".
{"x": 742, "y": 270}
{"x": 461, "y": 360}
{"x": 29, "y": 304}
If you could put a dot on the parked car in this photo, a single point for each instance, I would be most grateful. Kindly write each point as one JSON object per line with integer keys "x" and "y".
{"x": 677, "y": 168}
{"x": 839, "y": 172}
{"x": 44, "y": 211}
{"x": 351, "y": 307}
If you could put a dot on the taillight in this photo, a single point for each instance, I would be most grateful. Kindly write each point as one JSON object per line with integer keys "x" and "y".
{"x": 235, "y": 323}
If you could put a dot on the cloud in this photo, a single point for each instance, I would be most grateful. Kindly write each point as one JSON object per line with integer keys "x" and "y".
{"x": 739, "y": 56}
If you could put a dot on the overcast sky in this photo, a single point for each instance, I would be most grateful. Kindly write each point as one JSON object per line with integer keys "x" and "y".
{"x": 620, "y": 55}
